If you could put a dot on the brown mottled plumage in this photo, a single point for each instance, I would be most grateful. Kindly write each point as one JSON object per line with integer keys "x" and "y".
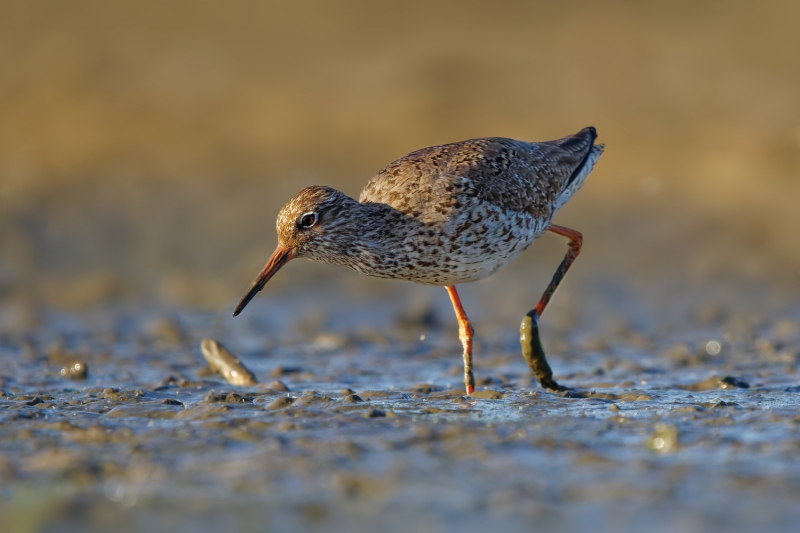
{"x": 442, "y": 215}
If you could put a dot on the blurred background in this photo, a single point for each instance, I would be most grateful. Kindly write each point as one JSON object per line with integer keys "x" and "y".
{"x": 146, "y": 147}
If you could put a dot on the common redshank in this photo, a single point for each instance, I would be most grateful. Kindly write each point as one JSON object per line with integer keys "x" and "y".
{"x": 445, "y": 215}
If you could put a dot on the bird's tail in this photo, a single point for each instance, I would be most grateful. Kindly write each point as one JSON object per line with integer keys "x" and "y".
{"x": 575, "y": 181}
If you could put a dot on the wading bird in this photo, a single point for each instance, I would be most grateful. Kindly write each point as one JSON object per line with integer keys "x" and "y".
{"x": 445, "y": 215}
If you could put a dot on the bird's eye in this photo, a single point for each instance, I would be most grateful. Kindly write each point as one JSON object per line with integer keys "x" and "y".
{"x": 307, "y": 220}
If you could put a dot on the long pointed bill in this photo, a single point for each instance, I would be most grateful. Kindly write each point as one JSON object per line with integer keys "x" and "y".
{"x": 280, "y": 257}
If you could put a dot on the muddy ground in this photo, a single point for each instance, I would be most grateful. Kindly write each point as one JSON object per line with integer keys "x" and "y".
{"x": 359, "y": 422}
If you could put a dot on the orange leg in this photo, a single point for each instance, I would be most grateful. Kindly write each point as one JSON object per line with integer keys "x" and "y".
{"x": 575, "y": 242}
{"x": 465, "y": 333}
{"x": 532, "y": 349}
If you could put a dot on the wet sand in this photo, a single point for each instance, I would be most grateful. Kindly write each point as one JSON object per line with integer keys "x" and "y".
{"x": 359, "y": 421}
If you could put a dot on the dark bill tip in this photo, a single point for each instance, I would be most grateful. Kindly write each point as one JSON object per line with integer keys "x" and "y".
{"x": 280, "y": 257}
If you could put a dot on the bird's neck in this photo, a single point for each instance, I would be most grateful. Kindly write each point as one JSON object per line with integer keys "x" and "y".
{"x": 379, "y": 236}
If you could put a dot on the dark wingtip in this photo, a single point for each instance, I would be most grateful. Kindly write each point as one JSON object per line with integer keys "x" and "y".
{"x": 588, "y": 133}
{"x": 580, "y": 142}
{"x": 585, "y": 137}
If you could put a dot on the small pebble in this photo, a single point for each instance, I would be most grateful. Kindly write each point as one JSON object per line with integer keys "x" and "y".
{"x": 170, "y": 401}
{"x": 352, "y": 398}
{"x": 278, "y": 386}
{"x": 280, "y": 403}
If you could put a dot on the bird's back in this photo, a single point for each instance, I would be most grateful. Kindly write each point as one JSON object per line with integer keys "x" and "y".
{"x": 515, "y": 176}
{"x": 468, "y": 208}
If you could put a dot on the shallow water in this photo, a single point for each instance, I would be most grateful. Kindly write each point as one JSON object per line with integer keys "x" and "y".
{"x": 359, "y": 422}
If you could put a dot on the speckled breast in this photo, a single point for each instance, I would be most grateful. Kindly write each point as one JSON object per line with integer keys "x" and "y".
{"x": 471, "y": 245}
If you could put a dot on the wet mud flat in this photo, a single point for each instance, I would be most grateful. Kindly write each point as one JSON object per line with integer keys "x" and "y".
{"x": 366, "y": 430}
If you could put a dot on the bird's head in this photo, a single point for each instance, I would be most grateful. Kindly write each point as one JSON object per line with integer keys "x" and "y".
{"x": 313, "y": 224}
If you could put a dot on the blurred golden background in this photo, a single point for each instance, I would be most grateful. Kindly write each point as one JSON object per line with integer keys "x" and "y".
{"x": 146, "y": 146}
